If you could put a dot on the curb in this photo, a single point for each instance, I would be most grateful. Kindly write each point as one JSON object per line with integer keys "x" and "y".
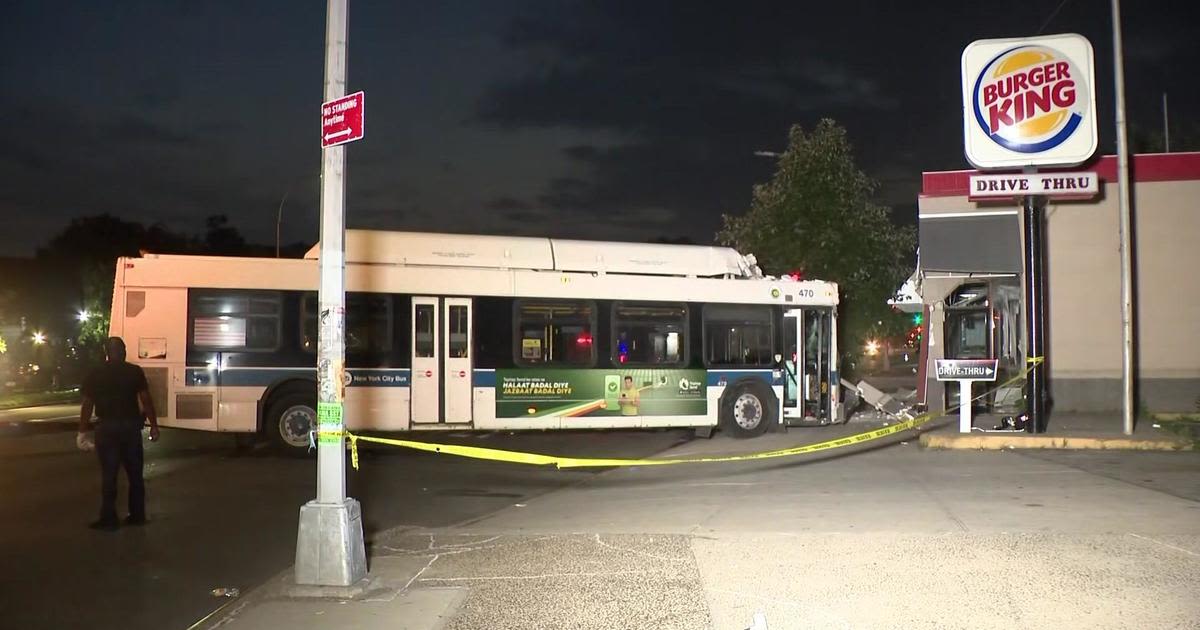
{"x": 1004, "y": 442}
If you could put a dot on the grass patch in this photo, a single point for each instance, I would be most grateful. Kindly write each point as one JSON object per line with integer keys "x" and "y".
{"x": 31, "y": 399}
{"x": 1186, "y": 426}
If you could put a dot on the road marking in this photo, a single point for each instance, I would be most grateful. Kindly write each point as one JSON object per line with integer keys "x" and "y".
{"x": 634, "y": 551}
{"x": 56, "y": 419}
{"x": 541, "y": 576}
{"x": 729, "y": 483}
{"x": 1187, "y": 551}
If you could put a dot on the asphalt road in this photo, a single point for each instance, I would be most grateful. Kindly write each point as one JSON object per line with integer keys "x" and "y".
{"x": 45, "y": 413}
{"x": 222, "y": 519}
{"x": 889, "y": 536}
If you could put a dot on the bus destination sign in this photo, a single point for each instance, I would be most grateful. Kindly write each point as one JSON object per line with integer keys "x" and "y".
{"x": 967, "y": 369}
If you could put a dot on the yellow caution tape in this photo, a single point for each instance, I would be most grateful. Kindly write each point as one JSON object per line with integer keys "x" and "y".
{"x": 537, "y": 459}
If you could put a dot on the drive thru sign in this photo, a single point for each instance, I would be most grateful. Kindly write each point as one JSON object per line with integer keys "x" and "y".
{"x": 342, "y": 120}
{"x": 966, "y": 371}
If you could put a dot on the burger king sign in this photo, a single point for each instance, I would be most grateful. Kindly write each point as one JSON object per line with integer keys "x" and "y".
{"x": 1029, "y": 102}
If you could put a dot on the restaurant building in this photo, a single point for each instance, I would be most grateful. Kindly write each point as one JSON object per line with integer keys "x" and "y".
{"x": 969, "y": 287}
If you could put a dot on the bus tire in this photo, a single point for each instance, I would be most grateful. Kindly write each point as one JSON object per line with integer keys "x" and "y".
{"x": 290, "y": 417}
{"x": 747, "y": 409}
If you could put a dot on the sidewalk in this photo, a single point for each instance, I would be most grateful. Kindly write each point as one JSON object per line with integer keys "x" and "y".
{"x": 385, "y": 601}
{"x": 873, "y": 540}
{"x": 1064, "y": 431}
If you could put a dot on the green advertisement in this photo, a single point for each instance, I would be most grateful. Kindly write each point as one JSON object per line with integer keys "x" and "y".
{"x": 616, "y": 392}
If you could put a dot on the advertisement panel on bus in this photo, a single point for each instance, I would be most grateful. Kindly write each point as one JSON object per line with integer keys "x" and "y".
{"x": 604, "y": 392}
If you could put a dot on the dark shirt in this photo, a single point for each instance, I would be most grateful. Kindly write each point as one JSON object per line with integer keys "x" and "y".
{"x": 114, "y": 388}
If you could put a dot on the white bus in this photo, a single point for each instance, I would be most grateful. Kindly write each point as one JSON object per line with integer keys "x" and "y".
{"x": 485, "y": 333}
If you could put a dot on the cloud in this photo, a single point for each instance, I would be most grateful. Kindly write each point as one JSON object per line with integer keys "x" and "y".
{"x": 131, "y": 130}
{"x": 508, "y": 204}
{"x": 63, "y": 164}
{"x": 693, "y": 92}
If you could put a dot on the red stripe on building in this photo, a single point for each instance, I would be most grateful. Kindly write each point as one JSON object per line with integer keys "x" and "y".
{"x": 1149, "y": 167}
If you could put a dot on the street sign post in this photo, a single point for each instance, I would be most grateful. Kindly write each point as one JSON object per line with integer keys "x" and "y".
{"x": 343, "y": 120}
{"x": 329, "y": 542}
{"x": 966, "y": 372}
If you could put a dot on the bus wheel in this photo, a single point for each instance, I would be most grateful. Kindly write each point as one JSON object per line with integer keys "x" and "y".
{"x": 289, "y": 420}
{"x": 747, "y": 410}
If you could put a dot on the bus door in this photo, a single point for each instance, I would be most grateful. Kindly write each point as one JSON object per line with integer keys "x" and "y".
{"x": 440, "y": 387}
{"x": 808, "y": 371}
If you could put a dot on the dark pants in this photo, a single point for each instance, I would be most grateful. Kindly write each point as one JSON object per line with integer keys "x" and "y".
{"x": 120, "y": 448}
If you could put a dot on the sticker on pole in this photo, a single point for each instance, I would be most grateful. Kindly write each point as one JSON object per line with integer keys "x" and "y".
{"x": 967, "y": 369}
{"x": 1029, "y": 102}
{"x": 343, "y": 120}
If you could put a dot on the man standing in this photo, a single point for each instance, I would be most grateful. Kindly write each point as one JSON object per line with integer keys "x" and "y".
{"x": 630, "y": 398}
{"x": 114, "y": 391}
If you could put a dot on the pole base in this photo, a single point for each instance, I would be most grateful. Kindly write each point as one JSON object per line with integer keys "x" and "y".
{"x": 329, "y": 544}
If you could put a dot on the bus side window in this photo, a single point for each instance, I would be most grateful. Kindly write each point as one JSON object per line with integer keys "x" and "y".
{"x": 738, "y": 335}
{"x": 239, "y": 320}
{"x": 555, "y": 332}
{"x": 368, "y": 323}
{"x": 649, "y": 333}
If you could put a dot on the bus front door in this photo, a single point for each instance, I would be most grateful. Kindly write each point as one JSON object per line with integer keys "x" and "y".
{"x": 440, "y": 387}
{"x": 808, "y": 372}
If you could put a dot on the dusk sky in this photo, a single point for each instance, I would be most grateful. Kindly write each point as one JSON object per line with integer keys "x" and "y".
{"x": 608, "y": 120}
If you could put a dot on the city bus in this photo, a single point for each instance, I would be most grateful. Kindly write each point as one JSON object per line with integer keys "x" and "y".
{"x": 465, "y": 332}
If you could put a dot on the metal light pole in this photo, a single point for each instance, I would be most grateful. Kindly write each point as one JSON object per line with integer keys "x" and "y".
{"x": 279, "y": 212}
{"x": 1126, "y": 240}
{"x": 1166, "y": 127}
{"x": 1033, "y": 208}
{"x": 329, "y": 544}
{"x": 279, "y": 219}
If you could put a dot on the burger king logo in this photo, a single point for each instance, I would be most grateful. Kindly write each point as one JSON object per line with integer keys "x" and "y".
{"x": 1030, "y": 98}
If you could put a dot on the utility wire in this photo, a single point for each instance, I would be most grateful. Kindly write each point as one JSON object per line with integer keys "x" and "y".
{"x": 1052, "y": 15}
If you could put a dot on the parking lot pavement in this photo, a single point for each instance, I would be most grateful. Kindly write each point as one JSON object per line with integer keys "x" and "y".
{"x": 223, "y": 519}
{"x": 890, "y": 538}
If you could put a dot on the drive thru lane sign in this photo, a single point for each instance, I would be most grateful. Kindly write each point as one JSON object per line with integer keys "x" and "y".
{"x": 342, "y": 120}
{"x": 966, "y": 371}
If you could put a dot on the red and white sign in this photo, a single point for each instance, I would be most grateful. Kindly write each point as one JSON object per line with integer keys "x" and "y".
{"x": 1053, "y": 185}
{"x": 1029, "y": 102}
{"x": 342, "y": 120}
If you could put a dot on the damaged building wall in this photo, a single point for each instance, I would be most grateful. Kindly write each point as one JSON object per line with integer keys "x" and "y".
{"x": 1083, "y": 283}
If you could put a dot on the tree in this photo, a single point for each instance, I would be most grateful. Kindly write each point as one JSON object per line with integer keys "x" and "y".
{"x": 816, "y": 217}
{"x": 81, "y": 261}
{"x": 221, "y": 238}
{"x": 1149, "y": 138}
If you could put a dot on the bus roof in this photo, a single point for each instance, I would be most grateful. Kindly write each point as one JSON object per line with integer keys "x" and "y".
{"x": 546, "y": 254}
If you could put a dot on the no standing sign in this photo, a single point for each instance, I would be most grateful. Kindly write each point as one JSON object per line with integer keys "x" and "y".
{"x": 343, "y": 120}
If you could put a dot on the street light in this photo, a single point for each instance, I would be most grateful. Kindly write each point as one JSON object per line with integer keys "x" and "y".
{"x": 279, "y": 211}
{"x": 83, "y": 315}
{"x": 39, "y": 338}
